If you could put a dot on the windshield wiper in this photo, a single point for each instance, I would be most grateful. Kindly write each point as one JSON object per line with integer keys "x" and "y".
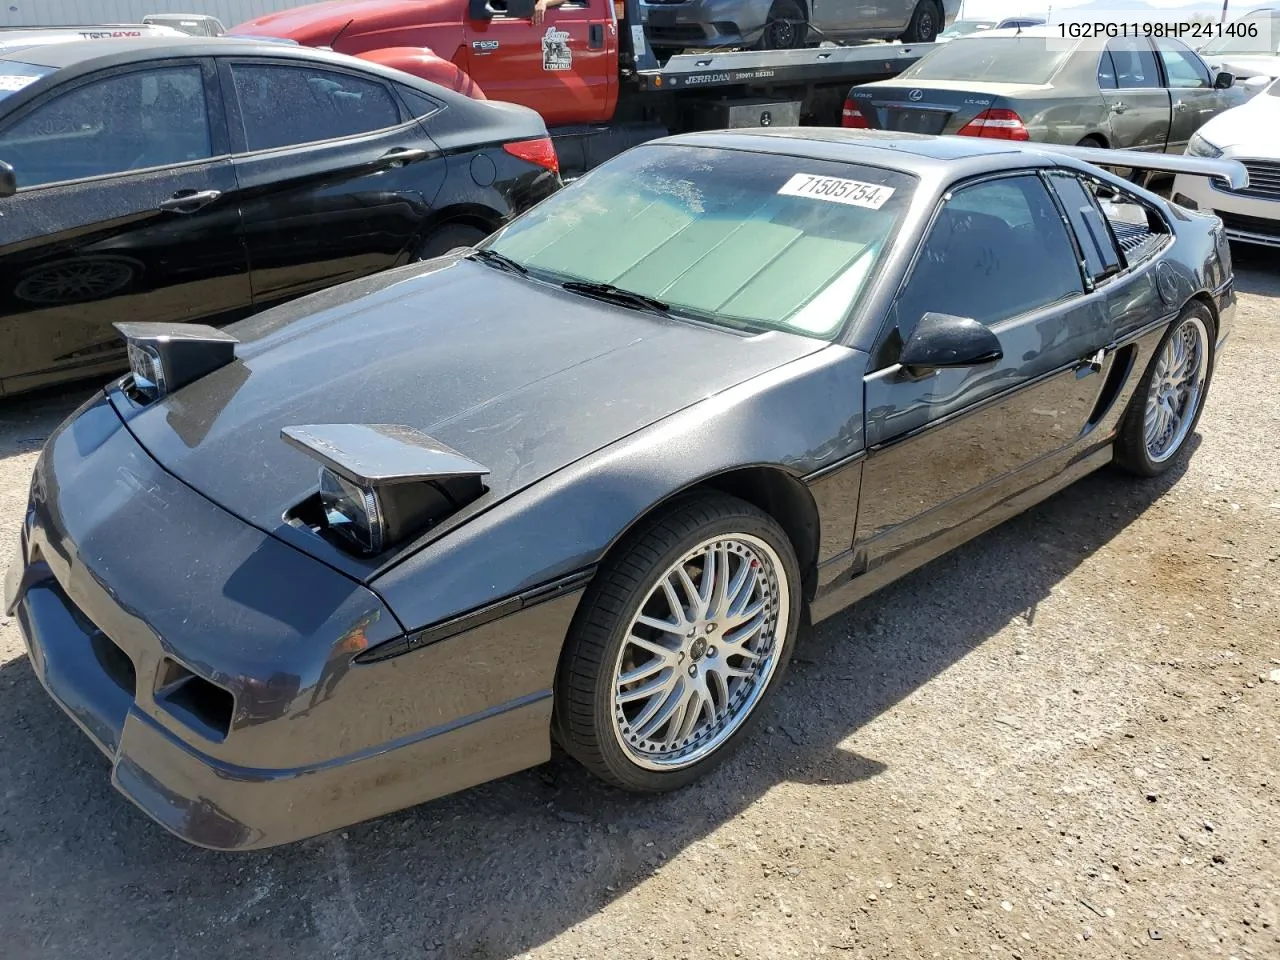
{"x": 607, "y": 291}
{"x": 498, "y": 260}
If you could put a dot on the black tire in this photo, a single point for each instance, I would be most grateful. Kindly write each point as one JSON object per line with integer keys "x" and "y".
{"x": 926, "y": 22}
{"x": 786, "y": 28}
{"x": 450, "y": 238}
{"x": 585, "y": 682}
{"x": 1091, "y": 141}
{"x": 1131, "y": 451}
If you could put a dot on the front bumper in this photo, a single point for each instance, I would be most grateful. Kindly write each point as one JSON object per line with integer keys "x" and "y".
{"x": 1247, "y": 219}
{"x": 126, "y": 578}
{"x": 702, "y": 23}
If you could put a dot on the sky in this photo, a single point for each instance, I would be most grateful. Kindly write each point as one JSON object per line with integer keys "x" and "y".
{"x": 1008, "y": 8}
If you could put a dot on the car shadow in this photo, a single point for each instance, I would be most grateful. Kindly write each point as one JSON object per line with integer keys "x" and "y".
{"x": 27, "y": 419}
{"x": 501, "y": 868}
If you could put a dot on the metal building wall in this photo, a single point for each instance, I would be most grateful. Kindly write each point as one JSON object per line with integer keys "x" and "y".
{"x": 17, "y": 13}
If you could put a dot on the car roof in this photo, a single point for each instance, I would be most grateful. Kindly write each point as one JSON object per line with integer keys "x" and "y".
{"x": 936, "y": 160}
{"x": 98, "y": 54}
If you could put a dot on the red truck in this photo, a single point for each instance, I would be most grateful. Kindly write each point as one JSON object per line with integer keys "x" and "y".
{"x": 588, "y": 67}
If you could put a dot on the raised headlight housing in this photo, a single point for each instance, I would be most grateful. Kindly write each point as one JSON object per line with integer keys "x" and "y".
{"x": 1198, "y": 146}
{"x": 380, "y": 484}
{"x": 164, "y": 357}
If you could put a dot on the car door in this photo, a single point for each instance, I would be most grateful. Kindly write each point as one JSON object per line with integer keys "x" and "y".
{"x": 1130, "y": 82}
{"x": 337, "y": 177}
{"x": 564, "y": 68}
{"x": 1194, "y": 99}
{"x": 998, "y": 252}
{"x": 126, "y": 210}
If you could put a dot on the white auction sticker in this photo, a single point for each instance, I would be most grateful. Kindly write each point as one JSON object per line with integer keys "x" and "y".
{"x": 12, "y": 84}
{"x": 837, "y": 190}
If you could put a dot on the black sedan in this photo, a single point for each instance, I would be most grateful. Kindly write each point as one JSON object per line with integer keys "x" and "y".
{"x": 586, "y": 482}
{"x": 178, "y": 180}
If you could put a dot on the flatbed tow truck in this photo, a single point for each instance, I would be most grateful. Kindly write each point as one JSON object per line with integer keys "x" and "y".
{"x": 589, "y": 69}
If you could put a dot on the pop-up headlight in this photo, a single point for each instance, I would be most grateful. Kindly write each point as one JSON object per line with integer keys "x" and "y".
{"x": 164, "y": 357}
{"x": 381, "y": 483}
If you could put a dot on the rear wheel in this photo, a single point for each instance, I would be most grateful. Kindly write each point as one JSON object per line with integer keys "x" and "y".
{"x": 786, "y": 27}
{"x": 450, "y": 238}
{"x": 925, "y": 23}
{"x": 682, "y": 635}
{"x": 1170, "y": 396}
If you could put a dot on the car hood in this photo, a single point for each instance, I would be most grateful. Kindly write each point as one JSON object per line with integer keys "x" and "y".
{"x": 1244, "y": 65}
{"x": 318, "y": 24}
{"x": 518, "y": 375}
{"x": 1249, "y": 130}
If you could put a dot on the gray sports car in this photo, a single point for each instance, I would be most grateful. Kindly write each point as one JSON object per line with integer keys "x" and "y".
{"x": 586, "y": 482}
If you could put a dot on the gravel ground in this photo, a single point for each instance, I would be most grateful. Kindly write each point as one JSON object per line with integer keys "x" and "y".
{"x": 1058, "y": 741}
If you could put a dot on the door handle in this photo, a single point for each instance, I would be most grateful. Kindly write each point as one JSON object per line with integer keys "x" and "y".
{"x": 1179, "y": 105}
{"x": 1119, "y": 107}
{"x": 401, "y": 156}
{"x": 1093, "y": 363}
{"x": 189, "y": 201}
{"x": 595, "y": 36}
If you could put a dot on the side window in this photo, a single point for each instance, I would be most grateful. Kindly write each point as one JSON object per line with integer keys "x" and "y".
{"x": 1106, "y": 71}
{"x": 1101, "y": 258}
{"x": 283, "y": 106}
{"x": 1183, "y": 68}
{"x": 997, "y": 249}
{"x": 1135, "y": 64}
{"x": 130, "y": 121}
{"x": 419, "y": 104}
{"x": 1140, "y": 231}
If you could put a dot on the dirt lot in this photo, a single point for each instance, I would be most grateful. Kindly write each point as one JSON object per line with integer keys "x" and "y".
{"x": 1059, "y": 741}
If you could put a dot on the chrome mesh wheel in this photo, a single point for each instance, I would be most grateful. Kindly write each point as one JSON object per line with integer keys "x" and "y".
{"x": 701, "y": 651}
{"x": 1177, "y": 389}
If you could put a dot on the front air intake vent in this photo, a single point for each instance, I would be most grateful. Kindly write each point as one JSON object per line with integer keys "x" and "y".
{"x": 205, "y": 707}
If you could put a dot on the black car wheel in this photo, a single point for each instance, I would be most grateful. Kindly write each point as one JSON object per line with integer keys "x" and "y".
{"x": 786, "y": 27}
{"x": 75, "y": 281}
{"x": 1170, "y": 396}
{"x": 679, "y": 640}
{"x": 450, "y": 238}
{"x": 925, "y": 23}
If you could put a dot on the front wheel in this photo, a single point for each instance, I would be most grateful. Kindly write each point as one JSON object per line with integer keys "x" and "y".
{"x": 1170, "y": 396}
{"x": 925, "y": 23}
{"x": 786, "y": 27}
{"x": 679, "y": 640}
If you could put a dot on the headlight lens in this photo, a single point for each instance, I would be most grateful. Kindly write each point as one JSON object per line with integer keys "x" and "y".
{"x": 1198, "y": 146}
{"x": 352, "y": 512}
{"x": 147, "y": 370}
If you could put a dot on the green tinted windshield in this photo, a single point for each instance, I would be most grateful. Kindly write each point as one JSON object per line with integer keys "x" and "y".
{"x": 991, "y": 59}
{"x": 15, "y": 76}
{"x": 749, "y": 239}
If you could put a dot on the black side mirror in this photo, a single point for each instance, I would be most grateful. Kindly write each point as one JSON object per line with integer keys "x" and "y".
{"x": 1224, "y": 81}
{"x": 8, "y": 180}
{"x": 941, "y": 340}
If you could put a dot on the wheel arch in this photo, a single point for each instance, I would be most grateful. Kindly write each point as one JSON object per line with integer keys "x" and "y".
{"x": 769, "y": 488}
{"x": 1203, "y": 296}
{"x": 467, "y": 214}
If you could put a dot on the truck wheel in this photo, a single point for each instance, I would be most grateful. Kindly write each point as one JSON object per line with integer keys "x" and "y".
{"x": 925, "y": 23}
{"x": 449, "y": 239}
{"x": 786, "y": 27}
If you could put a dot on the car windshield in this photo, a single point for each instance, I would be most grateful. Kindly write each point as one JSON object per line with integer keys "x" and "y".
{"x": 1256, "y": 33}
{"x": 963, "y": 28}
{"x": 749, "y": 240}
{"x": 15, "y": 76}
{"x": 993, "y": 59}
